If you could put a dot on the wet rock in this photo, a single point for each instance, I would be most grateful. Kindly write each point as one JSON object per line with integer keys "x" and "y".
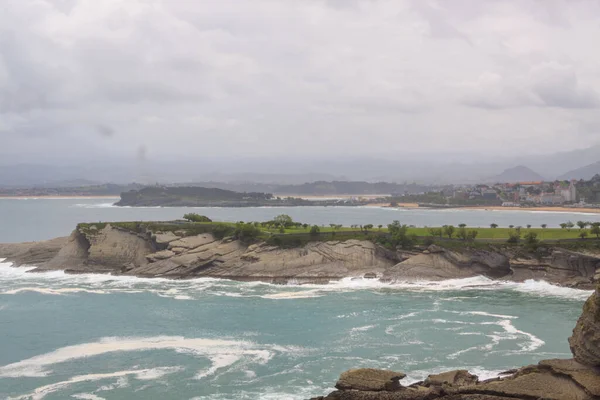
{"x": 368, "y": 379}
{"x": 585, "y": 342}
{"x": 455, "y": 378}
{"x": 370, "y": 275}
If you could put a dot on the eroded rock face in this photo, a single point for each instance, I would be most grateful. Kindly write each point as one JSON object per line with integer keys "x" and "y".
{"x": 585, "y": 342}
{"x": 368, "y": 379}
{"x": 439, "y": 263}
{"x": 549, "y": 380}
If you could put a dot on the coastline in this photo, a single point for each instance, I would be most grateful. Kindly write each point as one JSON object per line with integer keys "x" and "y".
{"x": 547, "y": 209}
{"x": 495, "y": 208}
{"x": 58, "y": 197}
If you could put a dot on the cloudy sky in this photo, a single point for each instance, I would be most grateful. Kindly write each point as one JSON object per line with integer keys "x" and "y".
{"x": 175, "y": 78}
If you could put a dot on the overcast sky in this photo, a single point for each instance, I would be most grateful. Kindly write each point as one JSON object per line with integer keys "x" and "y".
{"x": 166, "y": 78}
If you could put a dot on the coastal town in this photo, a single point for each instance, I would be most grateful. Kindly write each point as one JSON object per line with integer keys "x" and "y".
{"x": 565, "y": 194}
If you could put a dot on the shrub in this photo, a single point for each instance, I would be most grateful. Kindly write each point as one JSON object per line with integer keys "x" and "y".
{"x": 246, "y": 232}
{"x": 315, "y": 230}
{"x": 193, "y": 217}
{"x": 219, "y": 231}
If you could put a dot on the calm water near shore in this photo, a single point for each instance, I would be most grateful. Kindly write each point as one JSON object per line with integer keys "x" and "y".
{"x": 97, "y": 337}
{"x": 40, "y": 219}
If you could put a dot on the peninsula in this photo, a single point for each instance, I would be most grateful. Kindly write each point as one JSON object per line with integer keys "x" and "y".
{"x": 194, "y": 196}
{"x": 282, "y": 250}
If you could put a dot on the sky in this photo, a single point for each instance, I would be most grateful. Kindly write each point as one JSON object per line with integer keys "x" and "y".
{"x": 174, "y": 79}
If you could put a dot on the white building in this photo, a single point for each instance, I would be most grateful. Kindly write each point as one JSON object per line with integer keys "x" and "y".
{"x": 569, "y": 195}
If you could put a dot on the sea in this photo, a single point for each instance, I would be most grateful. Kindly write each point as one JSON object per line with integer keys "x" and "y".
{"x": 96, "y": 336}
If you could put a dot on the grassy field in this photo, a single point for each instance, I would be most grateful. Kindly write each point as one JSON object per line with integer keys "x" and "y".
{"x": 193, "y": 228}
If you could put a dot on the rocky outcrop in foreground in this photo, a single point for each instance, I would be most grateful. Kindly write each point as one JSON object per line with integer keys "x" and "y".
{"x": 570, "y": 379}
{"x": 104, "y": 248}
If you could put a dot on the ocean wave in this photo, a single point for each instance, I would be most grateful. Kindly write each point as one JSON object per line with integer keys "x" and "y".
{"x": 42, "y": 391}
{"x": 17, "y": 280}
{"x": 220, "y": 352}
{"x": 96, "y": 205}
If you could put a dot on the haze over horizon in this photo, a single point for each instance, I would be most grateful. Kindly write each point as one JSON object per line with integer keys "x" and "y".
{"x": 233, "y": 86}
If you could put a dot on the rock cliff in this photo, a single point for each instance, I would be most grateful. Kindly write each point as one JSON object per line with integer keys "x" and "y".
{"x": 175, "y": 254}
{"x": 570, "y": 379}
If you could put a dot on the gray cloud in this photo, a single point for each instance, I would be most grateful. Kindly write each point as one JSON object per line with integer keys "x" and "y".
{"x": 236, "y": 78}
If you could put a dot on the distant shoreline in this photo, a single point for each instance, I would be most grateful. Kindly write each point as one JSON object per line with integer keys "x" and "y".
{"x": 57, "y": 197}
{"x": 552, "y": 209}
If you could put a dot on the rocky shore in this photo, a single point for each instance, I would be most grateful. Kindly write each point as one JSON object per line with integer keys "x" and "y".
{"x": 174, "y": 254}
{"x": 559, "y": 379}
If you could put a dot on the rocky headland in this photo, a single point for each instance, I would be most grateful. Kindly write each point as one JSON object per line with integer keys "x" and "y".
{"x": 177, "y": 253}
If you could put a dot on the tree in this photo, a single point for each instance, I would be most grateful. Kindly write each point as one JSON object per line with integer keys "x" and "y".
{"x": 472, "y": 235}
{"x": 528, "y": 226}
{"x": 514, "y": 237}
{"x": 462, "y": 225}
{"x": 531, "y": 240}
{"x": 544, "y": 226}
{"x": 461, "y": 233}
{"x": 315, "y": 230}
{"x": 595, "y": 229}
{"x": 193, "y": 217}
{"x": 305, "y": 226}
{"x": 435, "y": 232}
{"x": 449, "y": 230}
{"x": 399, "y": 236}
{"x": 368, "y": 227}
{"x": 246, "y": 232}
{"x": 283, "y": 220}
{"x": 493, "y": 226}
{"x": 563, "y": 225}
{"x": 511, "y": 226}
{"x": 570, "y": 226}
{"x": 582, "y": 224}
{"x": 380, "y": 226}
{"x": 583, "y": 234}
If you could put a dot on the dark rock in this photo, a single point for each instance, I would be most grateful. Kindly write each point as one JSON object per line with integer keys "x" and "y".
{"x": 455, "y": 378}
{"x": 585, "y": 342}
{"x": 368, "y": 379}
{"x": 370, "y": 275}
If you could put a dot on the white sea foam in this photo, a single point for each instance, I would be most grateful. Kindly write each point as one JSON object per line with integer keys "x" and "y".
{"x": 42, "y": 391}
{"x": 57, "y": 282}
{"x": 362, "y": 328}
{"x": 52, "y": 291}
{"x": 87, "y": 396}
{"x": 97, "y": 205}
{"x": 211, "y": 348}
{"x": 307, "y": 294}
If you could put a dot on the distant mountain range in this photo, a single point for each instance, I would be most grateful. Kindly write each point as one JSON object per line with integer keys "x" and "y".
{"x": 403, "y": 168}
{"x": 519, "y": 173}
{"x": 586, "y": 173}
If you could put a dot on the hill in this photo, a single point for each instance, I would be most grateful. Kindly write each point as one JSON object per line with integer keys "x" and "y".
{"x": 519, "y": 173}
{"x": 585, "y": 173}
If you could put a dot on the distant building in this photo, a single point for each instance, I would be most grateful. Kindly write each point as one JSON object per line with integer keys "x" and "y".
{"x": 489, "y": 194}
{"x": 569, "y": 195}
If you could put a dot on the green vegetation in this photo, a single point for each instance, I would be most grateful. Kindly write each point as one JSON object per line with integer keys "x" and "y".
{"x": 193, "y": 217}
{"x": 284, "y": 231}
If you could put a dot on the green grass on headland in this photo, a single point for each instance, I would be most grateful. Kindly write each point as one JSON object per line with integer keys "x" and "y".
{"x": 285, "y": 232}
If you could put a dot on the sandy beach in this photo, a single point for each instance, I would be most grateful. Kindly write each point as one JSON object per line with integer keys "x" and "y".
{"x": 551, "y": 209}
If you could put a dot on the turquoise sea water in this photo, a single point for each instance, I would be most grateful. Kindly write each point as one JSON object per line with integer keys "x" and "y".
{"x": 103, "y": 337}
